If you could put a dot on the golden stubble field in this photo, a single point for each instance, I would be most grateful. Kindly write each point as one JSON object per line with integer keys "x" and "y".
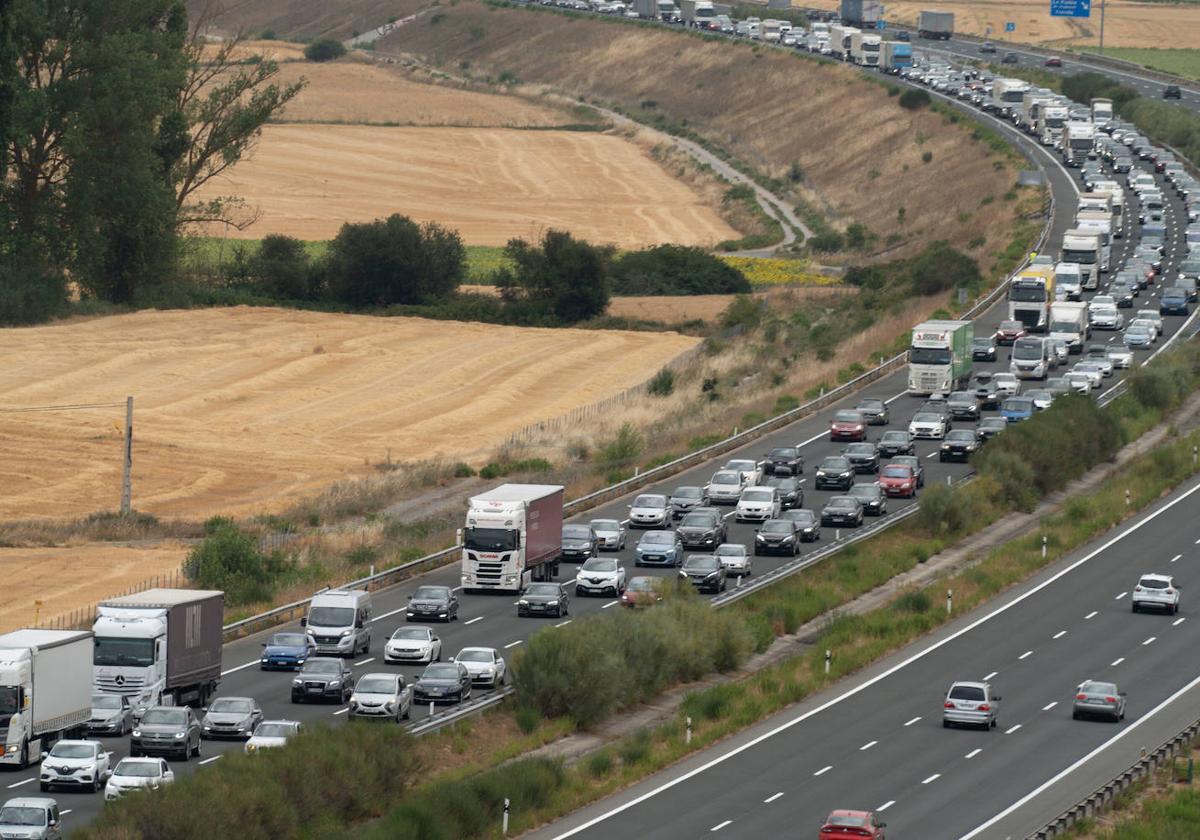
{"x": 247, "y": 410}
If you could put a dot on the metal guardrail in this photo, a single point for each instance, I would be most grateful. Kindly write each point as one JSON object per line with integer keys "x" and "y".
{"x": 436, "y": 721}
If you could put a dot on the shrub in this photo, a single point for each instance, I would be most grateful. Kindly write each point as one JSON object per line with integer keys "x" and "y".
{"x": 939, "y": 268}
{"x": 326, "y": 49}
{"x": 281, "y": 268}
{"x": 599, "y": 764}
{"x": 621, "y": 450}
{"x": 944, "y": 510}
{"x": 827, "y": 242}
{"x": 926, "y": 156}
{"x": 662, "y": 384}
{"x": 914, "y": 99}
{"x": 745, "y": 311}
{"x": 463, "y": 470}
{"x": 393, "y": 261}
{"x": 561, "y": 276}
{"x": 229, "y": 559}
{"x": 675, "y": 270}
{"x": 914, "y": 601}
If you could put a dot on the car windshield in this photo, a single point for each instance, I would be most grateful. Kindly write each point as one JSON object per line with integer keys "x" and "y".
{"x": 847, "y": 417}
{"x": 731, "y": 550}
{"x": 430, "y": 593}
{"x": 606, "y": 525}
{"x": 1011, "y": 326}
{"x": 700, "y": 562}
{"x": 842, "y": 502}
{"x": 726, "y": 478}
{"x": 897, "y": 472}
{"x": 322, "y": 666}
{"x": 982, "y": 342}
{"x": 376, "y": 684}
{"x": 870, "y": 403}
{"x": 19, "y": 815}
{"x": 648, "y": 501}
{"x": 835, "y": 464}
{"x": 860, "y": 449}
{"x": 758, "y": 495}
{"x": 274, "y": 730}
{"x": 961, "y": 397}
{"x": 119, "y": 651}
{"x": 908, "y": 461}
{"x": 748, "y": 466}
{"x": 440, "y": 672}
{"x": 1018, "y": 404}
{"x": 687, "y": 493}
{"x": 848, "y": 820}
{"x": 865, "y": 490}
{"x": 658, "y": 538}
{"x": 776, "y": 527}
{"x": 415, "y": 633}
{"x": 785, "y": 452}
{"x": 475, "y": 656}
{"x": 927, "y": 417}
{"x": 232, "y": 704}
{"x": 1153, "y": 583}
{"x": 138, "y": 769}
{"x": 960, "y": 435}
{"x": 641, "y": 584}
{"x": 966, "y": 692}
{"x": 599, "y": 564}
{"x": 897, "y": 437}
{"x": 1098, "y": 688}
{"x": 105, "y": 701}
{"x": 331, "y": 616}
{"x": 165, "y": 717}
{"x": 577, "y": 532}
{"x": 543, "y": 589}
{"x": 62, "y": 750}
{"x": 698, "y": 520}
{"x": 287, "y": 640}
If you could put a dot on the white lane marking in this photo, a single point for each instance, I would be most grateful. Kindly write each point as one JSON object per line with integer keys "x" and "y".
{"x": 564, "y": 623}
{"x": 883, "y": 675}
{"x": 473, "y": 620}
{"x": 1176, "y": 557}
{"x": 342, "y": 711}
{"x": 914, "y": 720}
{"x": 1020, "y": 803}
{"x": 886, "y": 805}
{"x": 1117, "y": 661}
{"x": 387, "y": 615}
{"x": 513, "y": 644}
{"x": 1049, "y": 706}
{"x": 1149, "y": 641}
{"x": 932, "y": 778}
{"x": 1119, "y": 597}
{"x": 64, "y": 813}
{"x": 931, "y": 455}
{"x": 973, "y": 753}
{"x": 22, "y": 782}
{"x": 720, "y": 825}
{"x": 1025, "y": 655}
{"x": 772, "y": 797}
{"x": 240, "y": 667}
{"x": 1012, "y": 730}
{"x": 1059, "y": 634}
{"x": 1092, "y": 614}
{"x": 609, "y": 604}
{"x": 1197, "y": 542}
{"x": 867, "y": 745}
{"x": 364, "y": 661}
{"x": 210, "y": 760}
{"x": 1178, "y": 621}
{"x": 989, "y": 676}
{"x": 820, "y": 772}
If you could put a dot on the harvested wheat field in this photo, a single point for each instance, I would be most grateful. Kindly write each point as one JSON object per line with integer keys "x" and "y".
{"x": 66, "y": 578}
{"x": 672, "y": 309}
{"x": 244, "y": 410}
{"x": 488, "y": 184}
{"x": 270, "y": 50}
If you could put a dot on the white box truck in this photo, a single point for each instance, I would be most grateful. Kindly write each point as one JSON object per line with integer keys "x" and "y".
{"x": 513, "y": 535}
{"x": 939, "y": 358}
{"x": 1008, "y": 95}
{"x": 1083, "y": 247}
{"x": 865, "y": 48}
{"x": 839, "y": 40}
{"x": 45, "y": 691}
{"x": 1102, "y": 112}
{"x": 698, "y": 14}
{"x": 936, "y": 26}
{"x": 1069, "y": 323}
{"x": 1100, "y": 223}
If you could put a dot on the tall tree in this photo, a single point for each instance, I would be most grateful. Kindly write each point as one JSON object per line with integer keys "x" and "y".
{"x": 564, "y": 276}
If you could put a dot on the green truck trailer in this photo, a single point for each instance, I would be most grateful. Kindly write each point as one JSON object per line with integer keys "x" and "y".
{"x": 939, "y": 358}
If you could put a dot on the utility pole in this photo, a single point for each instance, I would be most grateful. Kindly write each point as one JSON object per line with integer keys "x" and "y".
{"x": 127, "y": 471}
{"x": 1102, "y": 4}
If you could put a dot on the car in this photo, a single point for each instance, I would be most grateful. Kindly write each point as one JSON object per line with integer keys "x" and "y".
{"x": 963, "y": 405}
{"x": 1157, "y": 592}
{"x": 725, "y": 487}
{"x": 1099, "y": 354}
{"x": 835, "y": 471}
{"x": 735, "y": 558}
{"x": 1151, "y": 315}
{"x": 1080, "y": 382}
{"x": 611, "y": 534}
{"x": 1138, "y": 336}
{"x": 871, "y": 497}
{"x": 987, "y": 47}
{"x": 988, "y": 393}
{"x": 807, "y": 523}
{"x": 1105, "y": 318}
{"x": 1042, "y": 398}
{"x": 927, "y": 424}
{"x": 412, "y": 644}
{"x": 1010, "y": 58}
{"x": 970, "y": 704}
{"x": 448, "y": 682}
{"x": 641, "y": 592}
{"x": 705, "y": 572}
{"x": 983, "y": 350}
{"x": 1007, "y": 384}
{"x": 430, "y": 603}
{"x": 778, "y": 536}
{"x": 658, "y": 548}
{"x": 381, "y": 696}
{"x": 896, "y": 442}
{"x": 961, "y": 444}
{"x": 136, "y": 774}
{"x": 169, "y": 731}
{"x": 650, "y": 510}
{"x": 1016, "y": 409}
{"x": 1053, "y": 61}
{"x": 757, "y": 504}
{"x": 1009, "y": 331}
{"x": 897, "y": 480}
{"x": 848, "y": 425}
{"x": 111, "y": 715}
{"x": 783, "y": 460}
{"x": 874, "y": 410}
{"x": 750, "y": 471}
{"x": 989, "y": 427}
{"x": 579, "y": 542}
{"x": 485, "y": 665}
{"x": 1171, "y": 92}
{"x": 1121, "y": 357}
{"x": 231, "y": 717}
{"x": 601, "y": 575}
{"x": 790, "y": 489}
{"x": 286, "y": 651}
{"x": 1174, "y": 301}
{"x": 842, "y": 510}
{"x": 917, "y": 467}
{"x": 1098, "y": 699}
{"x": 544, "y": 599}
{"x": 938, "y": 405}
{"x": 75, "y": 764}
{"x": 1093, "y": 370}
{"x": 323, "y": 678}
{"x": 684, "y": 499}
{"x": 271, "y": 734}
{"x": 852, "y": 825}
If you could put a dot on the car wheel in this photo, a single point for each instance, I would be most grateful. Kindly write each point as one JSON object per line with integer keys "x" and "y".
{"x": 995, "y": 723}
{"x": 98, "y": 785}
{"x": 1133, "y": 607}
{"x": 945, "y": 724}
{"x": 1174, "y": 609}
{"x": 45, "y": 787}
{"x": 1074, "y": 715}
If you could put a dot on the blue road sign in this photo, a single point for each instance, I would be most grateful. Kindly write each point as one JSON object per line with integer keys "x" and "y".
{"x": 880, "y": 24}
{"x": 1010, "y": 27}
{"x": 1071, "y": 8}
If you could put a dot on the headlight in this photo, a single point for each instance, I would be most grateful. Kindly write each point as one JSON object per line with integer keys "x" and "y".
{"x": 787, "y": 539}
{"x": 334, "y": 683}
{"x": 759, "y": 538}
{"x": 297, "y": 681}
{"x": 179, "y": 735}
{"x": 345, "y": 633}
{"x": 523, "y": 603}
{"x": 207, "y": 725}
{"x": 137, "y": 733}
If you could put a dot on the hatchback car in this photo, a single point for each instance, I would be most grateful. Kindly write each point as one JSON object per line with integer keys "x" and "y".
{"x": 725, "y": 487}
{"x": 874, "y": 410}
{"x": 443, "y": 682}
{"x": 783, "y": 460}
{"x": 611, "y": 534}
{"x": 970, "y": 704}
{"x": 1016, "y": 409}
{"x": 835, "y": 472}
{"x": 896, "y": 443}
{"x": 601, "y": 576}
{"x": 963, "y": 405}
{"x": 485, "y": 665}
{"x": 961, "y": 444}
{"x": 1098, "y": 699}
{"x": 579, "y": 542}
{"x": 871, "y": 497}
{"x": 898, "y": 481}
{"x": 1173, "y": 302}
{"x": 641, "y": 592}
{"x": 705, "y": 572}
{"x": 1171, "y": 92}
{"x": 412, "y": 644}
{"x": 1138, "y": 337}
{"x": 323, "y": 678}
{"x": 1155, "y": 592}
{"x": 272, "y": 733}
{"x": 544, "y": 599}
{"x": 749, "y": 470}
{"x": 735, "y": 558}
{"x": 169, "y": 731}
{"x": 658, "y": 548}
{"x": 137, "y": 774}
{"x": 790, "y": 489}
{"x": 684, "y": 499}
{"x": 807, "y": 523}
{"x": 852, "y": 825}
{"x": 842, "y": 511}
{"x": 848, "y": 425}
{"x": 650, "y": 510}
{"x": 430, "y": 603}
{"x": 231, "y": 717}
{"x": 1007, "y": 384}
{"x": 1009, "y": 331}
{"x": 111, "y": 715}
{"x": 989, "y": 427}
{"x": 287, "y": 651}
{"x": 757, "y": 504}
{"x": 983, "y": 350}
{"x": 381, "y": 696}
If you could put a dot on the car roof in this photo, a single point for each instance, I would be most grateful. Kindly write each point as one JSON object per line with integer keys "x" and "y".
{"x": 32, "y": 802}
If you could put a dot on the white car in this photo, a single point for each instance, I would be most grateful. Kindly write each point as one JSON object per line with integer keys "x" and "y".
{"x": 1007, "y": 384}
{"x": 650, "y": 510}
{"x": 725, "y": 487}
{"x": 1121, "y": 357}
{"x": 272, "y": 733}
{"x": 750, "y": 470}
{"x": 610, "y": 534}
{"x": 485, "y": 665}
{"x": 412, "y": 644}
{"x": 1156, "y": 592}
{"x": 1080, "y": 382}
{"x": 927, "y": 424}
{"x": 1102, "y": 300}
{"x": 136, "y": 774}
{"x": 1105, "y": 318}
{"x": 76, "y": 764}
{"x": 1151, "y": 315}
{"x": 735, "y": 557}
{"x": 381, "y": 695}
{"x": 1092, "y": 371}
{"x": 1149, "y": 325}
{"x": 600, "y": 576}
{"x": 758, "y": 504}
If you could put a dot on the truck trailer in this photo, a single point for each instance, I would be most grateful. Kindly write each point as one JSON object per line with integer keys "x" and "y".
{"x": 1084, "y": 247}
{"x": 45, "y": 691}
{"x": 935, "y": 26}
{"x": 896, "y": 56}
{"x": 1069, "y": 323}
{"x": 160, "y": 647}
{"x": 513, "y": 535}
{"x": 839, "y": 40}
{"x": 939, "y": 358}
{"x": 1078, "y": 141}
{"x": 698, "y": 14}
{"x": 1008, "y": 97}
{"x": 864, "y": 14}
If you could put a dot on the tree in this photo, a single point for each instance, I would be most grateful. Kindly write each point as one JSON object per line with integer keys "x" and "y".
{"x": 326, "y": 49}
{"x": 281, "y": 267}
{"x": 394, "y": 261}
{"x": 563, "y": 276}
{"x": 675, "y": 270}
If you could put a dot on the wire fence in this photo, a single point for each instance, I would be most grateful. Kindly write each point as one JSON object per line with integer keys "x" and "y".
{"x": 82, "y": 618}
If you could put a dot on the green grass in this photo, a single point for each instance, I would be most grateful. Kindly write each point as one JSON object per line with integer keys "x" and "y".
{"x": 1184, "y": 63}
{"x": 1176, "y": 815}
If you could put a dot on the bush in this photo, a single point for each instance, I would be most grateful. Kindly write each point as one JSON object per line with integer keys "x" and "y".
{"x": 926, "y": 157}
{"x": 914, "y": 99}
{"x": 564, "y": 277}
{"x": 463, "y": 470}
{"x": 944, "y": 510}
{"x": 326, "y": 49}
{"x": 827, "y": 242}
{"x": 229, "y": 559}
{"x": 621, "y": 450}
{"x": 745, "y": 311}
{"x": 939, "y": 268}
{"x": 281, "y": 268}
{"x": 662, "y": 384}
{"x": 675, "y": 270}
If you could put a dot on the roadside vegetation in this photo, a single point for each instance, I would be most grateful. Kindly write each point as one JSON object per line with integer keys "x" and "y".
{"x": 1177, "y": 62}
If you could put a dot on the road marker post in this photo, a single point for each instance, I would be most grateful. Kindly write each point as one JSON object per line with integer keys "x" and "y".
{"x": 687, "y": 738}
{"x": 1043, "y": 546}
{"x": 949, "y": 601}
{"x": 828, "y": 659}
{"x": 504, "y": 826}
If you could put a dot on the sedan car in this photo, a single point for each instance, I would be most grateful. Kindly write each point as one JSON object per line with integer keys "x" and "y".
{"x": 443, "y": 682}
{"x": 842, "y": 510}
{"x": 961, "y": 444}
{"x": 1121, "y": 357}
{"x": 963, "y": 405}
{"x": 750, "y": 471}
{"x": 412, "y": 644}
{"x": 783, "y": 460}
{"x": 705, "y": 571}
{"x": 1009, "y": 331}
{"x": 927, "y": 424}
{"x": 1080, "y": 382}
{"x": 871, "y": 497}
{"x": 1138, "y": 337}
{"x": 898, "y": 481}
{"x": 1092, "y": 370}
{"x": 848, "y": 425}
{"x": 231, "y": 717}
{"x": 1155, "y": 592}
{"x": 137, "y": 774}
{"x": 1042, "y": 398}
{"x": 579, "y": 542}
{"x": 323, "y": 678}
{"x": 684, "y": 499}
{"x": 917, "y": 467}
{"x": 725, "y": 487}
{"x": 272, "y": 733}
{"x": 485, "y": 665}
{"x": 544, "y": 599}
{"x": 807, "y": 523}
{"x": 864, "y": 457}
{"x": 836, "y": 472}
{"x": 983, "y": 349}
{"x": 777, "y": 536}
{"x": 790, "y": 489}
{"x": 988, "y": 393}
{"x": 650, "y": 510}
{"x": 169, "y": 731}
{"x": 75, "y": 764}
{"x": 1007, "y": 384}
{"x": 1053, "y": 61}
{"x": 896, "y": 443}
{"x": 601, "y": 576}
{"x": 852, "y": 825}
{"x": 1098, "y": 699}
{"x": 430, "y": 603}
{"x": 874, "y": 410}
{"x": 287, "y": 651}
{"x": 641, "y": 592}
{"x": 970, "y": 704}
{"x": 382, "y": 696}
{"x": 735, "y": 558}
{"x": 1173, "y": 302}
{"x": 989, "y": 427}
{"x": 111, "y": 715}
{"x": 658, "y": 548}
{"x": 610, "y": 533}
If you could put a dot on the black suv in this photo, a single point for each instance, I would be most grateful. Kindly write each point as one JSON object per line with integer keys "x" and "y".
{"x": 842, "y": 510}
{"x": 430, "y": 603}
{"x": 871, "y": 497}
{"x": 864, "y": 457}
{"x": 1172, "y": 92}
{"x": 777, "y": 536}
{"x": 705, "y": 571}
{"x": 835, "y": 472}
{"x": 791, "y": 493}
{"x": 896, "y": 443}
{"x": 963, "y": 404}
{"x": 959, "y": 445}
{"x": 783, "y": 460}
{"x": 323, "y": 678}
{"x": 701, "y": 529}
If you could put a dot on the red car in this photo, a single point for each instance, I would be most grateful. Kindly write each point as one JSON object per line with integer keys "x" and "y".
{"x": 898, "y": 480}
{"x": 848, "y": 425}
{"x": 1009, "y": 332}
{"x": 1054, "y": 61}
{"x": 640, "y": 592}
{"x": 852, "y": 825}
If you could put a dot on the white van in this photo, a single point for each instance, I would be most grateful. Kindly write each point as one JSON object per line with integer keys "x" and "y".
{"x": 339, "y": 622}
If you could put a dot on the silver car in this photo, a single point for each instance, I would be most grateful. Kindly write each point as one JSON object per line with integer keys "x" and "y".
{"x": 381, "y": 695}
{"x": 485, "y": 665}
{"x": 750, "y": 471}
{"x": 736, "y": 559}
{"x": 650, "y": 510}
{"x": 1121, "y": 357}
{"x": 231, "y": 717}
{"x": 610, "y": 534}
{"x": 970, "y": 704}
{"x": 725, "y": 488}
{"x": 1099, "y": 699}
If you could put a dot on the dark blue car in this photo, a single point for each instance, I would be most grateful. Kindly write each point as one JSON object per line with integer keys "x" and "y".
{"x": 1016, "y": 409}
{"x": 286, "y": 651}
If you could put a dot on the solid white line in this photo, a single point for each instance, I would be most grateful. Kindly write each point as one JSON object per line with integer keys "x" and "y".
{"x": 1178, "y": 621}
{"x": 867, "y": 745}
{"x": 1049, "y": 706}
{"x": 719, "y": 826}
{"x": 1149, "y": 641}
{"x": 564, "y": 623}
{"x": 22, "y": 782}
{"x": 1012, "y": 730}
{"x": 1117, "y": 661}
{"x": 1081, "y": 762}
{"x": 1025, "y": 655}
{"x": 914, "y": 720}
{"x": 364, "y": 661}
{"x": 863, "y": 686}
{"x": 820, "y": 772}
{"x": 932, "y": 778}
{"x": 342, "y": 711}
{"x": 1059, "y": 634}
{"x": 1176, "y": 557}
{"x": 973, "y": 753}
{"x": 989, "y": 676}
{"x": 773, "y": 797}
{"x": 513, "y": 644}
{"x": 210, "y": 760}
{"x": 609, "y": 604}
{"x": 473, "y": 620}
{"x": 1092, "y": 614}
{"x": 240, "y": 667}
{"x": 387, "y": 615}
{"x": 1119, "y": 597}
{"x": 886, "y": 805}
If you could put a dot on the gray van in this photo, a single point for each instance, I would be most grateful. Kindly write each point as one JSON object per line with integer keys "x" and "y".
{"x": 31, "y": 816}
{"x": 339, "y": 622}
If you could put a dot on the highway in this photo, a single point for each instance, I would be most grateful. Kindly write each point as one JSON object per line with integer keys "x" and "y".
{"x": 492, "y": 620}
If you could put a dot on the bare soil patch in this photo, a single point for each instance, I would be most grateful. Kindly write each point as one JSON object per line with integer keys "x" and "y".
{"x": 243, "y": 410}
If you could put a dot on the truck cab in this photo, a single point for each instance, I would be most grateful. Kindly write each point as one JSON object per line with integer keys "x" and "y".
{"x": 1008, "y": 96}
{"x": 1029, "y": 297}
{"x": 1053, "y": 119}
{"x": 1084, "y": 248}
{"x": 512, "y": 536}
{"x": 939, "y": 358}
{"x": 1069, "y": 324}
{"x": 1079, "y": 141}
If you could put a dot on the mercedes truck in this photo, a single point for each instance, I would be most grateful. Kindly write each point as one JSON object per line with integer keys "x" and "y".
{"x": 939, "y": 358}
{"x": 1054, "y": 117}
{"x": 1078, "y": 141}
{"x": 45, "y": 691}
{"x": 513, "y": 535}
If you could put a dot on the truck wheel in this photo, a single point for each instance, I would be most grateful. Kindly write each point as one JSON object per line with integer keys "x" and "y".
{"x": 24, "y": 755}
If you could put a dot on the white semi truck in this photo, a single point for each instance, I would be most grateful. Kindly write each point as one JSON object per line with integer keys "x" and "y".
{"x": 939, "y": 358}
{"x": 513, "y": 535}
{"x": 1083, "y": 247}
{"x": 1007, "y": 97}
{"x": 1100, "y": 223}
{"x": 1052, "y": 123}
{"x": 1079, "y": 141}
{"x": 865, "y": 48}
{"x": 45, "y": 691}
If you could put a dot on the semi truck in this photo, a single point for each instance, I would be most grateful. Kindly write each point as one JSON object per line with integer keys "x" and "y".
{"x": 698, "y": 14}
{"x": 1069, "y": 324}
{"x": 1116, "y": 198}
{"x": 159, "y": 647}
{"x": 513, "y": 535}
{"x": 1036, "y": 100}
{"x": 895, "y": 56}
{"x": 1078, "y": 141}
{"x": 1100, "y": 223}
{"x": 1030, "y": 295}
{"x": 864, "y": 14}
{"x": 668, "y": 12}
{"x": 865, "y": 49}
{"x": 1053, "y": 121}
{"x": 939, "y": 358}
{"x": 646, "y": 9}
{"x": 771, "y": 31}
{"x": 935, "y": 26}
{"x": 1008, "y": 95}
{"x": 45, "y": 691}
{"x": 839, "y": 40}
{"x": 1083, "y": 247}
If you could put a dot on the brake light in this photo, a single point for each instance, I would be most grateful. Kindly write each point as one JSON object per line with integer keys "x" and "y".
{"x": 1110, "y": 699}
{"x": 984, "y": 707}
{"x": 1080, "y": 696}
{"x": 1137, "y": 589}
{"x": 947, "y": 705}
